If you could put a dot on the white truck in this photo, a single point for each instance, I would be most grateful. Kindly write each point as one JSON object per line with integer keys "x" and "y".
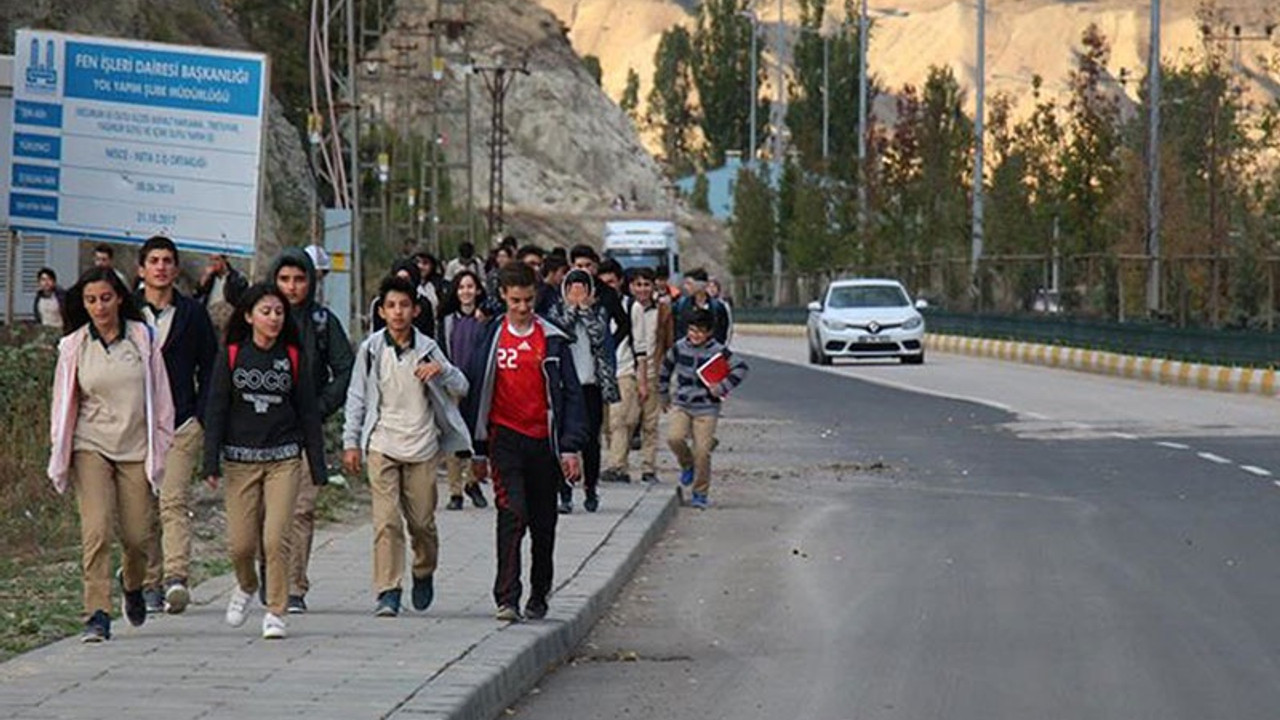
{"x": 643, "y": 243}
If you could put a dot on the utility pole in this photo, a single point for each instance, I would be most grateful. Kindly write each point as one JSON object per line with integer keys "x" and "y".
{"x": 1153, "y": 164}
{"x": 862, "y": 121}
{"x": 779, "y": 149}
{"x": 497, "y": 80}
{"x": 826, "y": 98}
{"x": 977, "y": 239}
{"x": 450, "y": 37}
{"x": 754, "y": 100}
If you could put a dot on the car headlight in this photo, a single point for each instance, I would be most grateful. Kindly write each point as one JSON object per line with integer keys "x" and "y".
{"x": 913, "y": 323}
{"x": 833, "y": 324}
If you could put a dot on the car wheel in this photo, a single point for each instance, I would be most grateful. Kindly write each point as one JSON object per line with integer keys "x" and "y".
{"x": 913, "y": 359}
{"x": 813, "y": 354}
{"x": 823, "y": 358}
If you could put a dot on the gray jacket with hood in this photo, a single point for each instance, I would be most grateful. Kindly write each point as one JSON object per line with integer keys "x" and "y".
{"x": 364, "y": 397}
{"x": 325, "y": 346}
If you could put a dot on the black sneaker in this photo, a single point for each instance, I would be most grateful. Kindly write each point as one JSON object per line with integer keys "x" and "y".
{"x": 134, "y": 607}
{"x": 566, "y": 507}
{"x": 536, "y": 609}
{"x": 592, "y": 502}
{"x": 455, "y": 503}
{"x": 154, "y": 600}
{"x": 97, "y": 628}
{"x": 424, "y": 591}
{"x": 617, "y": 476}
{"x": 649, "y": 478}
{"x": 477, "y": 495}
{"x": 296, "y": 605}
{"x": 388, "y": 603}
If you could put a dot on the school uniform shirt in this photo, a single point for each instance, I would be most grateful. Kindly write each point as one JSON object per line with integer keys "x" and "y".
{"x": 406, "y": 429}
{"x": 49, "y": 310}
{"x": 519, "y": 382}
{"x": 161, "y": 319}
{"x": 111, "y": 380}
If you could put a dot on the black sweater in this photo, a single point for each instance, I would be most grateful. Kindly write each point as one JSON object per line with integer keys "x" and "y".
{"x": 260, "y": 411}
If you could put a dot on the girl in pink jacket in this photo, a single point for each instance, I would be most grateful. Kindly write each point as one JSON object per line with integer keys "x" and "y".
{"x": 112, "y": 424}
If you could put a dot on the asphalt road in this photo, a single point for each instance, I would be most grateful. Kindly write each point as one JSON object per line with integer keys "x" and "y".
{"x": 882, "y": 552}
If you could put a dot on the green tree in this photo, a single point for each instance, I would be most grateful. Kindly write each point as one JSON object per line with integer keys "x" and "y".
{"x": 804, "y": 111}
{"x": 1090, "y": 162}
{"x": 670, "y": 109}
{"x": 630, "y": 102}
{"x": 594, "y": 69}
{"x": 701, "y": 197}
{"x": 753, "y": 223}
{"x": 722, "y": 73}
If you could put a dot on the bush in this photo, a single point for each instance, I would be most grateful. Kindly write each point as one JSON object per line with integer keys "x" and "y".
{"x": 33, "y": 517}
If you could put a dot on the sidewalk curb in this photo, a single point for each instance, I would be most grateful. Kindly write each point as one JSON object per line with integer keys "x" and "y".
{"x": 1202, "y": 376}
{"x": 496, "y": 672}
{"x": 1220, "y": 378}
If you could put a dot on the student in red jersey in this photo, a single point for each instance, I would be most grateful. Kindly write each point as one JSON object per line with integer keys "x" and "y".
{"x": 528, "y": 423}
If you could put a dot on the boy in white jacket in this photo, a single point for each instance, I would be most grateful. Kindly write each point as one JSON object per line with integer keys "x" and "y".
{"x": 402, "y": 414}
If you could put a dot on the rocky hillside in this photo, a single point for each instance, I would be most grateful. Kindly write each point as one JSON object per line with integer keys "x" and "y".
{"x": 571, "y": 149}
{"x": 289, "y": 186}
{"x": 1024, "y": 37}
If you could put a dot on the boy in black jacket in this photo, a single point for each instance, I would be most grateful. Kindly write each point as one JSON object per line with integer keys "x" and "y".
{"x": 328, "y": 355}
{"x": 527, "y": 420}
{"x": 190, "y": 347}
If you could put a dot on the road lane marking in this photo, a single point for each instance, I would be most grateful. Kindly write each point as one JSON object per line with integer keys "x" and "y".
{"x": 1255, "y": 470}
{"x": 1124, "y": 436}
{"x": 1173, "y": 445}
{"x": 1213, "y": 458}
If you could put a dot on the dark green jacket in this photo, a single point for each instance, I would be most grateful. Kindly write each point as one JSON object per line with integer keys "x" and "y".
{"x": 325, "y": 346}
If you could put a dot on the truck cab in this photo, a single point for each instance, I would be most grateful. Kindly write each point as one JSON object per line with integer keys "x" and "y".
{"x": 643, "y": 243}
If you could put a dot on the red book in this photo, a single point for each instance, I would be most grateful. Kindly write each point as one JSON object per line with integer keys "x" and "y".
{"x": 714, "y": 370}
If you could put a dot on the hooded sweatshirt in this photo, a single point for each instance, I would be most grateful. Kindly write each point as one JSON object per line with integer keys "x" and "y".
{"x": 588, "y": 329}
{"x": 325, "y": 348}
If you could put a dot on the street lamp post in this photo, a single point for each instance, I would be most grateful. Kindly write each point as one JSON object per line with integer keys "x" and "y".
{"x": 754, "y": 99}
{"x": 862, "y": 119}
{"x": 1153, "y": 164}
{"x": 977, "y": 233}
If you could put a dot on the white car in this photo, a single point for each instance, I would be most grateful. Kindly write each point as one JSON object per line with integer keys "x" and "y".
{"x": 866, "y": 319}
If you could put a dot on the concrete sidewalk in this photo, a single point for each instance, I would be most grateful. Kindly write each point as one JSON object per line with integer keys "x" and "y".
{"x": 454, "y": 661}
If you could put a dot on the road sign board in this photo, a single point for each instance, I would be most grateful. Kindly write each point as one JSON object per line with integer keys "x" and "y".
{"x": 120, "y": 140}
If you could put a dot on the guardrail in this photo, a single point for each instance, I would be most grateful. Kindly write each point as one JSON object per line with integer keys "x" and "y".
{"x": 1241, "y": 348}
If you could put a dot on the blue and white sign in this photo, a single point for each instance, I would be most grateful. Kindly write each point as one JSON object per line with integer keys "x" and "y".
{"x": 120, "y": 140}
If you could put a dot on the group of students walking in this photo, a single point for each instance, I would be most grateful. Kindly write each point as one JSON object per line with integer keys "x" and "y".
{"x": 145, "y": 392}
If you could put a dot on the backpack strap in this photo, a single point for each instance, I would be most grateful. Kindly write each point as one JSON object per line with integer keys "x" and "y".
{"x": 294, "y": 361}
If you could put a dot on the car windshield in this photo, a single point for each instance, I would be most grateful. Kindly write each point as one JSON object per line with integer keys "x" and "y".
{"x": 866, "y": 296}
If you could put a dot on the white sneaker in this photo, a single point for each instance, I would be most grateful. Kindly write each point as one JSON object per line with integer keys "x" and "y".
{"x": 273, "y": 627}
{"x": 237, "y": 605}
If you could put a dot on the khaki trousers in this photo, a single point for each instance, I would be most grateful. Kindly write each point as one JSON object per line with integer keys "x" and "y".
{"x": 303, "y": 532}
{"x": 107, "y": 492}
{"x": 703, "y": 430}
{"x": 459, "y": 473}
{"x": 260, "y": 501}
{"x": 650, "y": 411}
{"x": 402, "y": 493}
{"x": 169, "y": 553}
{"x": 623, "y": 416}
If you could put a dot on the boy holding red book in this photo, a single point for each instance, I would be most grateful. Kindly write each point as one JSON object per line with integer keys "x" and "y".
{"x": 697, "y": 373}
